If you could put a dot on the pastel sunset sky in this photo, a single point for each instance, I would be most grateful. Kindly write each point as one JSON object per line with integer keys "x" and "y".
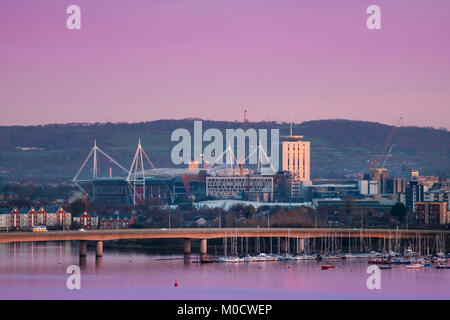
{"x": 141, "y": 60}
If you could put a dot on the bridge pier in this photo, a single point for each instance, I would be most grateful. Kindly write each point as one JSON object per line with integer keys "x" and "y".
{"x": 99, "y": 249}
{"x": 187, "y": 246}
{"x": 203, "y": 246}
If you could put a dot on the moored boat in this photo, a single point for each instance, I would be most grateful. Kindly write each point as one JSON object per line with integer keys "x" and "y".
{"x": 385, "y": 267}
{"x": 328, "y": 266}
{"x": 415, "y": 266}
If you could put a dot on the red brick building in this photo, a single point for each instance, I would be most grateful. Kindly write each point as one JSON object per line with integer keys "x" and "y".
{"x": 86, "y": 220}
{"x": 115, "y": 222}
{"x": 429, "y": 212}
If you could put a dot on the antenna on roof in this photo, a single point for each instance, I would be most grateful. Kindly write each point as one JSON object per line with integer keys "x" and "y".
{"x": 291, "y": 114}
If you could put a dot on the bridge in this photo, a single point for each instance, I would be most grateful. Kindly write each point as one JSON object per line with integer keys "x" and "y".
{"x": 202, "y": 234}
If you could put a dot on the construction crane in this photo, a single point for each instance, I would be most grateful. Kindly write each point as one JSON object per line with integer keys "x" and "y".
{"x": 241, "y": 164}
{"x": 387, "y": 155}
{"x": 374, "y": 163}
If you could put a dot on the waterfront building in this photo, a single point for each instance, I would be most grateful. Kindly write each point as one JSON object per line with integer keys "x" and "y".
{"x": 430, "y": 212}
{"x": 32, "y": 218}
{"x": 86, "y": 220}
{"x": 5, "y": 218}
{"x": 115, "y": 221}
{"x": 54, "y": 216}
{"x": 232, "y": 187}
{"x": 24, "y": 219}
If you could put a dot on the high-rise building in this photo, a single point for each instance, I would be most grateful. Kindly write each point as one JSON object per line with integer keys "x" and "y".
{"x": 296, "y": 157}
{"x": 368, "y": 187}
{"x": 382, "y": 175}
{"x": 414, "y": 193}
{"x": 395, "y": 185}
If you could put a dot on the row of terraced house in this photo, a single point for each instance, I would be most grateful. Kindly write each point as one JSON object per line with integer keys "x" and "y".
{"x": 56, "y": 217}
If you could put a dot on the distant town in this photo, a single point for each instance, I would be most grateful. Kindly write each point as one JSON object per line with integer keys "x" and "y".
{"x": 206, "y": 194}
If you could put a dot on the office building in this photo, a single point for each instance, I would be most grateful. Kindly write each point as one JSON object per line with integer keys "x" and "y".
{"x": 414, "y": 193}
{"x": 296, "y": 157}
{"x": 233, "y": 187}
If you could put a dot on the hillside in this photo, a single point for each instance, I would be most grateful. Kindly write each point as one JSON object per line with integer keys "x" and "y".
{"x": 338, "y": 147}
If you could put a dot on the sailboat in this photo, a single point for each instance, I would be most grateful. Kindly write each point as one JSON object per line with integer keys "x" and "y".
{"x": 415, "y": 266}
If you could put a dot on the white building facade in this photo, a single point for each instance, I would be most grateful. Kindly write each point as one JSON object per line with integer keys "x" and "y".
{"x": 24, "y": 218}
{"x": 296, "y": 157}
{"x": 229, "y": 187}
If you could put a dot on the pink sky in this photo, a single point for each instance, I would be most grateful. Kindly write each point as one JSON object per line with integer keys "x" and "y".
{"x": 141, "y": 60}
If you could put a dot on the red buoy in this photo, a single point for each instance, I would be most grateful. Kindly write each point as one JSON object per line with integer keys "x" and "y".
{"x": 326, "y": 267}
{"x": 176, "y": 283}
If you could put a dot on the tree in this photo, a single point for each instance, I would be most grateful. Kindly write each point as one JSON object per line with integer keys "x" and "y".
{"x": 249, "y": 211}
{"x": 399, "y": 211}
{"x": 349, "y": 205}
{"x": 78, "y": 206}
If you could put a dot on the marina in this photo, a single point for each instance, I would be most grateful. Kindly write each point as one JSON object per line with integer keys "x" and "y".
{"x": 384, "y": 261}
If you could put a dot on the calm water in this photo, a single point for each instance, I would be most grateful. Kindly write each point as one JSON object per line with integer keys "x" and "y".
{"x": 38, "y": 272}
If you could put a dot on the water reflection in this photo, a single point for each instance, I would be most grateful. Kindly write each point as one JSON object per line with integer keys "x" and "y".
{"x": 82, "y": 262}
{"x": 98, "y": 263}
{"x": 38, "y": 271}
{"x": 187, "y": 258}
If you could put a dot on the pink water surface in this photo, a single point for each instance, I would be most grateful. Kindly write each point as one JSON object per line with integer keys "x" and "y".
{"x": 38, "y": 271}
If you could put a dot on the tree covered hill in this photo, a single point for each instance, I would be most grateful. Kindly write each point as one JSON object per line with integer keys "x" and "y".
{"x": 53, "y": 153}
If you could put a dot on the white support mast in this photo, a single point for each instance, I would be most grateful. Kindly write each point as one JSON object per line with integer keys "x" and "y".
{"x": 93, "y": 153}
{"x": 94, "y": 171}
{"x": 136, "y": 174}
{"x": 263, "y": 158}
{"x": 230, "y": 159}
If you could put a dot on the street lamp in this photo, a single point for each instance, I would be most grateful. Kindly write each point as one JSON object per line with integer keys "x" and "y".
{"x": 220, "y": 219}
{"x": 169, "y": 218}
